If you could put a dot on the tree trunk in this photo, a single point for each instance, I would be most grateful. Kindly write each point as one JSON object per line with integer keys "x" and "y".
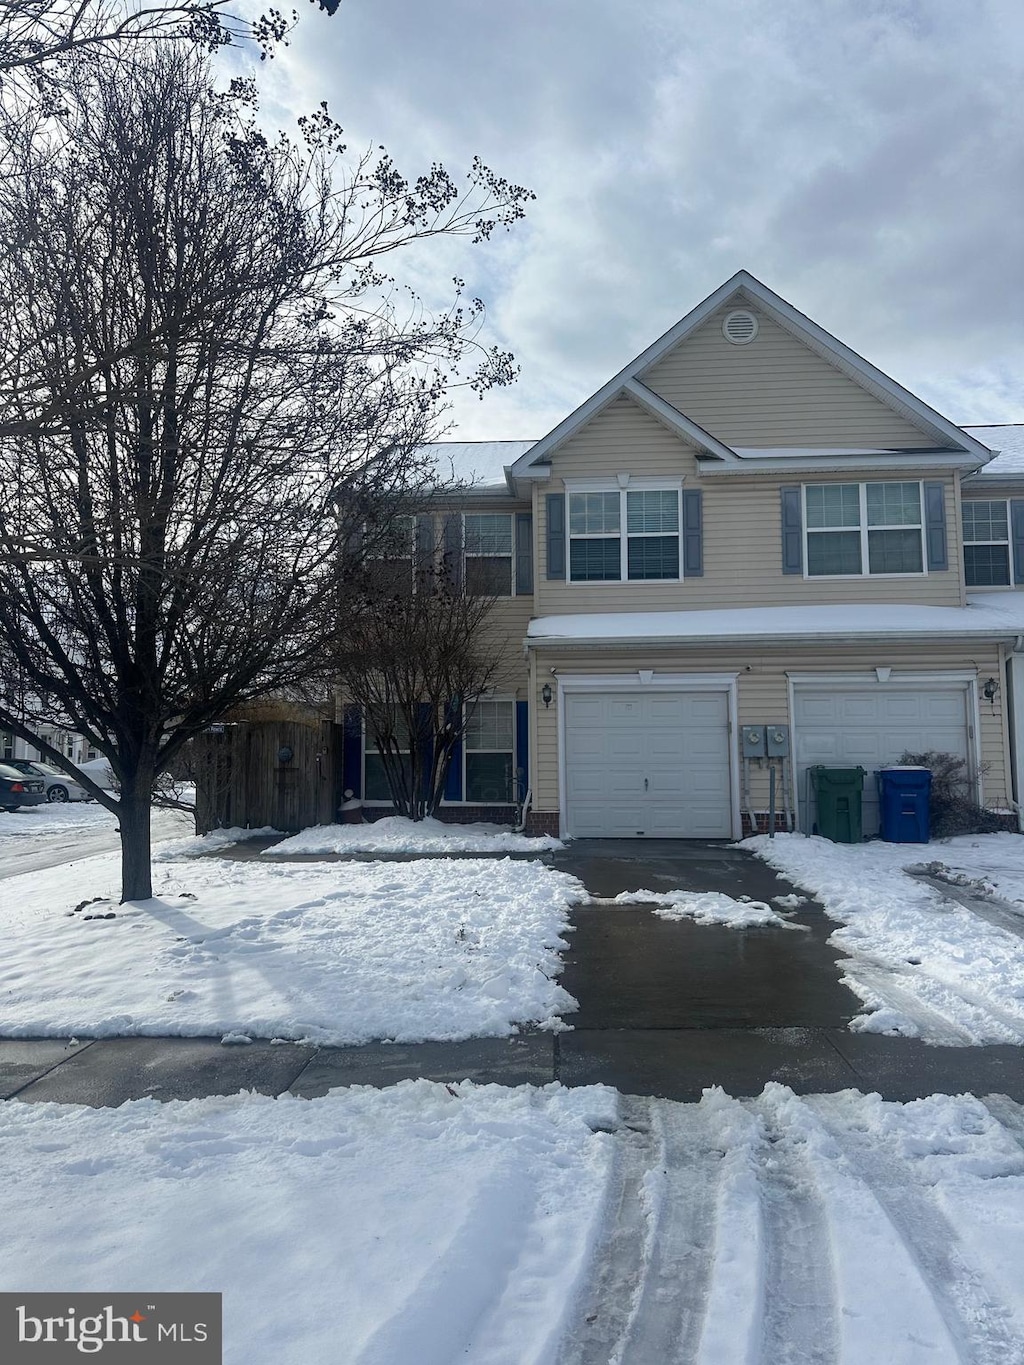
{"x": 136, "y": 866}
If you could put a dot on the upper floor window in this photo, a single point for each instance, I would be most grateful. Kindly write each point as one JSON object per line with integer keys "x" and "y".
{"x": 488, "y": 552}
{"x": 626, "y": 534}
{"x": 863, "y": 528}
{"x": 987, "y": 562}
{"x": 390, "y": 559}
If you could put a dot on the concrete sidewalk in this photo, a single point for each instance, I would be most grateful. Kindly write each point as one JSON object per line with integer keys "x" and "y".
{"x": 667, "y": 1063}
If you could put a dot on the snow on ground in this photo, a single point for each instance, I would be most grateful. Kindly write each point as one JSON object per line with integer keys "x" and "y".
{"x": 705, "y": 907}
{"x": 53, "y": 835}
{"x": 422, "y": 1223}
{"x": 924, "y": 965}
{"x": 331, "y": 952}
{"x": 434, "y": 1223}
{"x": 216, "y": 841}
{"x": 395, "y": 834}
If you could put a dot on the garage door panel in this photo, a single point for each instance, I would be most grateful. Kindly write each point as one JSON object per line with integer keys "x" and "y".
{"x": 650, "y": 766}
{"x": 871, "y": 728}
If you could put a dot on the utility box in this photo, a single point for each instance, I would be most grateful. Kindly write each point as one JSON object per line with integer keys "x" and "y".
{"x": 752, "y": 739}
{"x": 838, "y": 801}
{"x": 903, "y": 797}
{"x": 777, "y": 739}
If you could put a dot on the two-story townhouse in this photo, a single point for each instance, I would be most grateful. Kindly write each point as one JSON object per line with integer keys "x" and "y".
{"x": 749, "y": 553}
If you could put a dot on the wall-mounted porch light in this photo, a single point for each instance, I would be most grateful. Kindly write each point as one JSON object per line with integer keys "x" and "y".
{"x": 546, "y": 695}
{"x": 990, "y": 689}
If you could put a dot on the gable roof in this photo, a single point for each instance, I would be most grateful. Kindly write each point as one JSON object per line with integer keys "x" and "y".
{"x": 629, "y": 382}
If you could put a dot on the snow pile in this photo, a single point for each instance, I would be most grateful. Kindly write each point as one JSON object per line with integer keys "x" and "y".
{"x": 201, "y": 844}
{"x": 421, "y": 1223}
{"x": 705, "y": 907}
{"x": 924, "y": 966}
{"x": 333, "y": 953}
{"x": 396, "y": 834}
{"x": 498, "y": 1226}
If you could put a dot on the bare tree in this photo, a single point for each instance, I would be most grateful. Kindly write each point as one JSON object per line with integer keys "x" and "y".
{"x": 209, "y": 392}
{"x": 415, "y": 656}
{"x": 38, "y": 38}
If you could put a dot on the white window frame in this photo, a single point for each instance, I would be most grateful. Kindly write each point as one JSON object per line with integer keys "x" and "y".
{"x": 467, "y": 556}
{"x": 379, "y": 554}
{"x": 623, "y": 485}
{"x": 864, "y": 529}
{"x": 509, "y": 701}
{"x": 1008, "y": 542}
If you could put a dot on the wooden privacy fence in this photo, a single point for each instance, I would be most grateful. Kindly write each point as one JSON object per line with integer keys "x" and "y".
{"x": 266, "y": 772}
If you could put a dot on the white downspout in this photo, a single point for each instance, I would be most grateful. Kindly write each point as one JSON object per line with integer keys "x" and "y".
{"x": 1016, "y": 724}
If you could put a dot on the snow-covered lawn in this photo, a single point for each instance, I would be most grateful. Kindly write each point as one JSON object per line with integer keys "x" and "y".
{"x": 330, "y": 952}
{"x": 428, "y": 1223}
{"x": 924, "y": 965}
{"x": 394, "y": 834}
{"x": 54, "y": 818}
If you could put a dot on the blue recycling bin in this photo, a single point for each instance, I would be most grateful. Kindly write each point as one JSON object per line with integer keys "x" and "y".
{"x": 903, "y": 795}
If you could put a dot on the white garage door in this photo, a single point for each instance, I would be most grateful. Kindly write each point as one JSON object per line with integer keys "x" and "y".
{"x": 872, "y": 726}
{"x": 648, "y": 765}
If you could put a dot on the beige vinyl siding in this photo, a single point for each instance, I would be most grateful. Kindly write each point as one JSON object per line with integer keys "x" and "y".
{"x": 504, "y": 633}
{"x": 763, "y": 693}
{"x": 775, "y": 391}
{"x": 742, "y": 532}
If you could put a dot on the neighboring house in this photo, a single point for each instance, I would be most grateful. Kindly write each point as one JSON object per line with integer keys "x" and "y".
{"x": 749, "y": 526}
{"x": 69, "y": 743}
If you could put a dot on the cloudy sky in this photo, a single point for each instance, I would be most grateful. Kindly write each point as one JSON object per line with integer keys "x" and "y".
{"x": 863, "y": 158}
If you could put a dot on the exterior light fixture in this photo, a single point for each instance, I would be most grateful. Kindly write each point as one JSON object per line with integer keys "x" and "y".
{"x": 990, "y": 689}
{"x": 546, "y": 694}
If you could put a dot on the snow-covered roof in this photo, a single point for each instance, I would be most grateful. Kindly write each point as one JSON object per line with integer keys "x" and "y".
{"x": 1009, "y": 441}
{"x": 987, "y": 616}
{"x": 481, "y": 464}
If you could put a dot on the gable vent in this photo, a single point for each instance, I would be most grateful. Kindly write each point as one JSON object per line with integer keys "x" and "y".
{"x": 739, "y": 327}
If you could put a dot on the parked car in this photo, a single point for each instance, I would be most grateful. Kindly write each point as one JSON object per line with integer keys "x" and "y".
{"x": 100, "y": 772}
{"x": 59, "y": 787}
{"x": 19, "y": 789}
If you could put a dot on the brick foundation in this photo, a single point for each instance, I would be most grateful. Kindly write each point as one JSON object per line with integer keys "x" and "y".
{"x": 542, "y": 822}
{"x": 762, "y": 823}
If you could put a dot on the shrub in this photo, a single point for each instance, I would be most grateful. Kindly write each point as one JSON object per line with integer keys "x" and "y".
{"x": 952, "y": 808}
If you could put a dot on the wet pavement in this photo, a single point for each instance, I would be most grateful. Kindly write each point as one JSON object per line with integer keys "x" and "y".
{"x": 667, "y": 1008}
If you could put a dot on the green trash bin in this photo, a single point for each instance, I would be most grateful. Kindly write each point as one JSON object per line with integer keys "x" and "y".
{"x": 838, "y": 794}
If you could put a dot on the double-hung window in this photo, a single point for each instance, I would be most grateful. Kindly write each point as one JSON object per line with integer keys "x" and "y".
{"x": 396, "y": 737}
{"x": 863, "y": 528}
{"x": 488, "y": 552}
{"x": 488, "y": 748}
{"x": 987, "y": 562}
{"x": 390, "y": 561}
{"x": 628, "y": 534}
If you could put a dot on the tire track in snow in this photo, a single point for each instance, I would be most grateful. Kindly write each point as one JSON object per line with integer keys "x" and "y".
{"x": 621, "y": 1259}
{"x": 800, "y": 1325}
{"x": 883, "y": 983}
{"x": 669, "y": 1315}
{"x": 978, "y": 1323}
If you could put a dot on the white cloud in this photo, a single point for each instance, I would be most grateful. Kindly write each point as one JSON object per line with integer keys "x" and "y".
{"x": 864, "y": 160}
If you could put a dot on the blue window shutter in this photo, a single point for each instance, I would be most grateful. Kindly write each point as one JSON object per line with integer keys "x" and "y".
{"x": 524, "y": 553}
{"x": 556, "y": 535}
{"x": 453, "y": 548}
{"x": 522, "y": 748}
{"x": 352, "y": 751}
{"x": 693, "y": 533}
{"x": 792, "y": 531}
{"x": 453, "y": 782}
{"x": 935, "y": 525}
{"x": 1017, "y": 536}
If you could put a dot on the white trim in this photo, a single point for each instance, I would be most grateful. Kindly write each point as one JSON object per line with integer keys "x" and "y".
{"x": 645, "y": 680}
{"x": 623, "y": 490}
{"x": 1016, "y": 688}
{"x": 953, "y": 680}
{"x": 631, "y": 483}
